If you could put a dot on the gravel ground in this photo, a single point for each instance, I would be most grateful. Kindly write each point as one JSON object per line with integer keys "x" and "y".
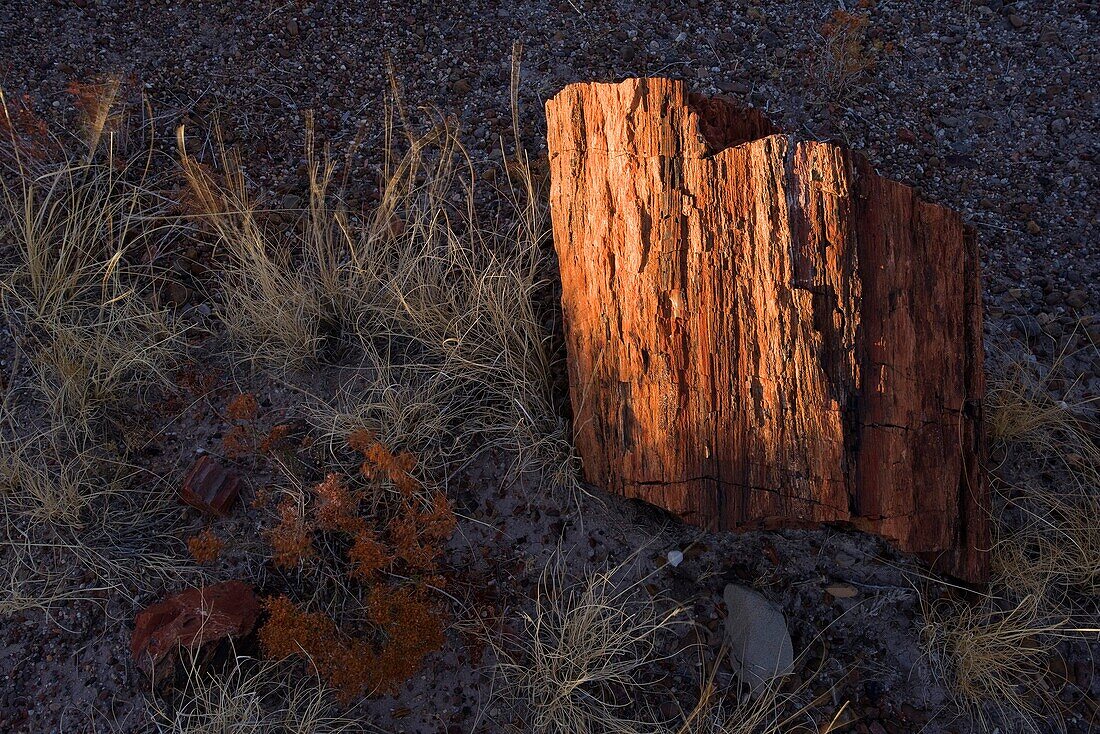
{"x": 986, "y": 107}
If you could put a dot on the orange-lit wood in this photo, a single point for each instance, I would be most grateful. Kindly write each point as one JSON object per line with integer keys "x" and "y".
{"x": 760, "y": 329}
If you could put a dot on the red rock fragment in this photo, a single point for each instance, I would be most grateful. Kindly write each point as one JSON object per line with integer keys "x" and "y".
{"x": 196, "y": 618}
{"x": 210, "y": 487}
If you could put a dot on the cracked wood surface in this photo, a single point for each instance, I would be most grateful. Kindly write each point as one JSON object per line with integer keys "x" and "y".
{"x": 760, "y": 329}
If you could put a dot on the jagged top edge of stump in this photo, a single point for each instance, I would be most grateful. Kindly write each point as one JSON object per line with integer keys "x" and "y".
{"x": 689, "y": 125}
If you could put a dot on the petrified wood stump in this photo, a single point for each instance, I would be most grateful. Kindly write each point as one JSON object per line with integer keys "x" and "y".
{"x": 760, "y": 329}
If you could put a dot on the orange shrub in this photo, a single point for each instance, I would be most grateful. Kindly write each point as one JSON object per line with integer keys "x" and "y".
{"x": 275, "y": 439}
{"x": 408, "y": 629}
{"x": 405, "y": 529}
{"x": 292, "y": 539}
{"x": 237, "y": 442}
{"x": 847, "y": 54}
{"x": 243, "y": 407}
{"x": 206, "y": 547}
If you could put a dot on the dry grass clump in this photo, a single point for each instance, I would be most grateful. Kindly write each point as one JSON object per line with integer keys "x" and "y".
{"x": 587, "y": 660}
{"x": 1048, "y": 538}
{"x": 1057, "y": 546}
{"x": 77, "y": 292}
{"x": 720, "y": 711}
{"x": 1032, "y": 406}
{"x": 434, "y": 311}
{"x": 993, "y": 653}
{"x": 993, "y": 656}
{"x": 78, "y": 296}
{"x": 250, "y": 697}
{"x": 75, "y": 524}
{"x": 582, "y": 662}
{"x": 277, "y": 290}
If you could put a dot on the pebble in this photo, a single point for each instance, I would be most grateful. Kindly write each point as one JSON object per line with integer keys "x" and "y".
{"x": 1029, "y": 325}
{"x": 292, "y": 27}
{"x": 1077, "y": 298}
{"x": 841, "y": 591}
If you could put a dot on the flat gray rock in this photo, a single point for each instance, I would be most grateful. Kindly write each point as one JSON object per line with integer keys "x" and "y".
{"x": 756, "y": 631}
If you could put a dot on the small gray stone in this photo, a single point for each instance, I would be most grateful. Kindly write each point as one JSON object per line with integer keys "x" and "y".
{"x": 1029, "y": 326}
{"x": 760, "y": 645}
{"x": 844, "y": 560}
{"x": 1077, "y": 298}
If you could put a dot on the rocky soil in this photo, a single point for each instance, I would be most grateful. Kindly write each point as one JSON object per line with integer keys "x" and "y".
{"x": 987, "y": 107}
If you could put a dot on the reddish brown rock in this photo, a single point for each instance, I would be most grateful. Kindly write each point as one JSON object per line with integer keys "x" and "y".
{"x": 762, "y": 330}
{"x": 210, "y": 487}
{"x": 195, "y": 619}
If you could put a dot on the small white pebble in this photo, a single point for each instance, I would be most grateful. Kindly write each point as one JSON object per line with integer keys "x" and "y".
{"x": 675, "y": 558}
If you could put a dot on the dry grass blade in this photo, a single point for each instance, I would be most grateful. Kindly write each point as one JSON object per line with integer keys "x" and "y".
{"x": 993, "y": 658}
{"x": 581, "y": 663}
{"x": 250, "y": 697}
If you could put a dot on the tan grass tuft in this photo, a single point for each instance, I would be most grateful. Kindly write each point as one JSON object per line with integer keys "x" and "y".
{"x": 437, "y": 310}
{"x": 993, "y": 656}
{"x": 581, "y": 663}
{"x": 250, "y": 697}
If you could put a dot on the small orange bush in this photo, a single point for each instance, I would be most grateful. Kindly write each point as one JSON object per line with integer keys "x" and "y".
{"x": 243, "y": 407}
{"x": 292, "y": 539}
{"x": 206, "y": 547}
{"x": 405, "y": 531}
{"x": 367, "y": 556}
{"x": 24, "y": 133}
{"x": 846, "y": 55}
{"x": 335, "y": 508}
{"x": 275, "y": 439}
{"x": 408, "y": 628}
{"x": 236, "y": 442}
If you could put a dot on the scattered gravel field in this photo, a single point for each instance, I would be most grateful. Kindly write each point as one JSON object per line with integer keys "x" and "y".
{"x": 986, "y": 107}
